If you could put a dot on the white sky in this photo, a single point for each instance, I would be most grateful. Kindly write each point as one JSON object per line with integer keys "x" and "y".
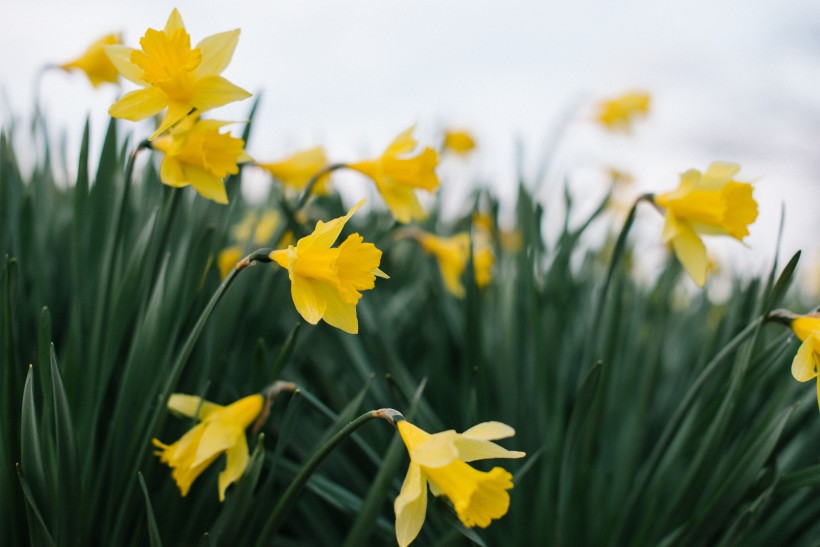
{"x": 731, "y": 80}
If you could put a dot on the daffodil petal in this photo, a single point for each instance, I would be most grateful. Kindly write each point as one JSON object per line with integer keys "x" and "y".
{"x": 176, "y": 113}
{"x": 172, "y": 173}
{"x": 191, "y": 406}
{"x": 437, "y": 451}
{"x": 401, "y": 201}
{"x": 692, "y": 254}
{"x": 804, "y": 366}
{"x": 718, "y": 174}
{"x": 402, "y": 144}
{"x": 308, "y": 303}
{"x": 326, "y": 233}
{"x": 217, "y": 51}
{"x": 207, "y": 184}
{"x": 215, "y": 439}
{"x": 478, "y": 449}
{"x": 213, "y": 91}
{"x": 410, "y": 506}
{"x": 237, "y": 458}
{"x": 120, "y": 57}
{"x": 489, "y": 431}
{"x": 174, "y": 22}
{"x": 338, "y": 313}
{"x": 138, "y": 105}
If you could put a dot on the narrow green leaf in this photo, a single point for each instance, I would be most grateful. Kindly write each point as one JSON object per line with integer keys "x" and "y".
{"x": 32, "y": 457}
{"x": 69, "y": 487}
{"x": 37, "y": 525}
{"x": 153, "y": 531}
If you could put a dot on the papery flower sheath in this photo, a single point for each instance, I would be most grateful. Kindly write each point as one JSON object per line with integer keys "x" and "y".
{"x": 712, "y": 203}
{"x": 174, "y": 75}
{"x": 440, "y": 460}
{"x": 221, "y": 430}
{"x": 296, "y": 170}
{"x": 398, "y": 175}
{"x": 196, "y": 153}
{"x": 96, "y": 65}
{"x": 459, "y": 141}
{"x": 617, "y": 114}
{"x": 325, "y": 281}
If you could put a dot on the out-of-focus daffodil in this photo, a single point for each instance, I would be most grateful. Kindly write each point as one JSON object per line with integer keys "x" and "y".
{"x": 252, "y": 229}
{"x": 296, "y": 170}
{"x": 617, "y": 114}
{"x": 459, "y": 141}
{"x": 398, "y": 175}
{"x": 325, "y": 281}
{"x": 173, "y": 75}
{"x": 806, "y": 363}
{"x": 452, "y": 254}
{"x": 196, "y": 153}
{"x": 227, "y": 259}
{"x": 221, "y": 430}
{"x": 440, "y": 461}
{"x": 95, "y": 63}
{"x": 712, "y": 203}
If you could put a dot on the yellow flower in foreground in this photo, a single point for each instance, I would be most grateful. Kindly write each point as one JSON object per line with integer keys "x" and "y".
{"x": 196, "y": 153}
{"x": 711, "y": 203}
{"x": 807, "y": 361}
{"x": 459, "y": 141}
{"x": 221, "y": 430}
{"x": 325, "y": 281}
{"x": 173, "y": 75}
{"x": 452, "y": 254}
{"x": 617, "y": 114}
{"x": 398, "y": 176}
{"x": 296, "y": 170}
{"x": 440, "y": 460}
{"x": 95, "y": 63}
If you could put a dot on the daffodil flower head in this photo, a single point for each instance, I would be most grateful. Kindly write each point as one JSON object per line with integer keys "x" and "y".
{"x": 326, "y": 282}
{"x": 221, "y": 430}
{"x": 296, "y": 170}
{"x": 440, "y": 460}
{"x": 174, "y": 75}
{"x": 451, "y": 254}
{"x": 807, "y": 360}
{"x": 96, "y": 65}
{"x": 459, "y": 141}
{"x": 712, "y": 203}
{"x": 398, "y": 175}
{"x": 618, "y": 114}
{"x": 196, "y": 153}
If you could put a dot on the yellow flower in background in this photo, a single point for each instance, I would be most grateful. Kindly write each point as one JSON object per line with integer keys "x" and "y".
{"x": 398, "y": 175}
{"x": 227, "y": 259}
{"x": 459, "y": 141}
{"x": 452, "y": 254}
{"x": 196, "y": 153}
{"x": 221, "y": 431}
{"x": 325, "y": 281}
{"x": 617, "y": 114}
{"x": 440, "y": 461}
{"x": 296, "y": 170}
{"x": 711, "y": 203}
{"x": 173, "y": 75}
{"x": 95, "y": 63}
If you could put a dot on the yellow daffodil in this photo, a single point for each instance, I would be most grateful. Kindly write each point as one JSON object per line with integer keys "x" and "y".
{"x": 196, "y": 153}
{"x": 95, "y": 63}
{"x": 452, "y": 254}
{"x": 712, "y": 203}
{"x": 459, "y": 141}
{"x": 325, "y": 281}
{"x": 807, "y": 360}
{"x": 296, "y": 170}
{"x": 440, "y": 461}
{"x": 173, "y": 75}
{"x": 398, "y": 175}
{"x": 221, "y": 430}
{"x": 617, "y": 114}
{"x": 227, "y": 259}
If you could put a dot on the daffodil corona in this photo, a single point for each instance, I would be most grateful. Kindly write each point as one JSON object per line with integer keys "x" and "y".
{"x": 440, "y": 460}
{"x": 94, "y": 63}
{"x": 712, "y": 203}
{"x": 325, "y": 281}
{"x": 174, "y": 75}
{"x": 221, "y": 431}
{"x": 618, "y": 114}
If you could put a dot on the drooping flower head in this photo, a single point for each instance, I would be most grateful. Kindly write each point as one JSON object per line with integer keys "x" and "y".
{"x": 459, "y": 141}
{"x": 95, "y": 63}
{"x": 221, "y": 430}
{"x": 196, "y": 153}
{"x": 617, "y": 114}
{"x": 398, "y": 175}
{"x": 325, "y": 281}
{"x": 174, "y": 75}
{"x": 440, "y": 460}
{"x": 806, "y": 363}
{"x": 452, "y": 254}
{"x": 297, "y": 170}
{"x": 712, "y": 203}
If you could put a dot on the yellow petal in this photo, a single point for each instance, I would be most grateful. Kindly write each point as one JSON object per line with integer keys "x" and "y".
{"x": 401, "y": 201}
{"x": 227, "y": 259}
{"x": 478, "y": 449}
{"x": 338, "y": 313}
{"x": 237, "y": 461}
{"x": 402, "y": 144}
{"x": 120, "y": 57}
{"x": 804, "y": 366}
{"x": 172, "y": 173}
{"x": 215, "y": 439}
{"x": 437, "y": 451}
{"x": 174, "y": 22}
{"x": 217, "y": 51}
{"x": 213, "y": 91}
{"x": 410, "y": 506}
{"x": 191, "y": 406}
{"x": 355, "y": 264}
{"x": 138, "y": 105}
{"x": 176, "y": 113}
{"x": 306, "y": 299}
{"x": 804, "y": 325}
{"x": 692, "y": 254}
{"x": 489, "y": 431}
{"x": 326, "y": 233}
{"x": 207, "y": 184}
{"x": 718, "y": 174}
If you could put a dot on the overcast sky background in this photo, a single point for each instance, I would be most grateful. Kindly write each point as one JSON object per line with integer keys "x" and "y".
{"x": 733, "y": 81}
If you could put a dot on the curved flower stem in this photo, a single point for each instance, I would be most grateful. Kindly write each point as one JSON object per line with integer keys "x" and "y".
{"x": 288, "y": 499}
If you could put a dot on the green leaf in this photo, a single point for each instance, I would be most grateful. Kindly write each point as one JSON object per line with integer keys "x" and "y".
{"x": 37, "y": 526}
{"x": 69, "y": 487}
{"x": 153, "y": 531}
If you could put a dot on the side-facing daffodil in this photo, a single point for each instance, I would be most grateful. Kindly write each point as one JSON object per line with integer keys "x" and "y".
{"x": 174, "y": 75}
{"x": 325, "y": 281}
{"x": 95, "y": 63}
{"x": 712, "y": 203}
{"x": 221, "y": 430}
{"x": 452, "y": 254}
{"x": 298, "y": 169}
{"x": 440, "y": 461}
{"x": 459, "y": 141}
{"x": 806, "y": 363}
{"x": 617, "y": 114}
{"x": 196, "y": 153}
{"x": 398, "y": 175}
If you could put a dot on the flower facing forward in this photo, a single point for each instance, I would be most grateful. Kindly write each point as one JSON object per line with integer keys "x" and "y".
{"x": 459, "y": 141}
{"x": 712, "y": 203}
{"x": 398, "y": 175}
{"x": 95, "y": 63}
{"x": 297, "y": 170}
{"x": 807, "y": 329}
{"x": 196, "y": 153}
{"x": 452, "y": 254}
{"x": 618, "y": 114}
{"x": 440, "y": 460}
{"x": 325, "y": 281}
{"x": 221, "y": 430}
{"x": 174, "y": 75}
